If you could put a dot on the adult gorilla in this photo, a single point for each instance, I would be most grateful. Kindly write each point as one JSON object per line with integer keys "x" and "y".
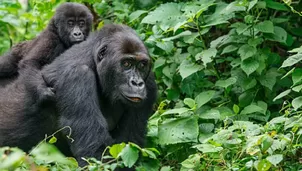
{"x": 105, "y": 91}
{"x": 71, "y": 24}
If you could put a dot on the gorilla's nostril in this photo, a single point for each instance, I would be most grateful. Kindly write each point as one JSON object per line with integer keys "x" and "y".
{"x": 140, "y": 84}
{"x": 133, "y": 83}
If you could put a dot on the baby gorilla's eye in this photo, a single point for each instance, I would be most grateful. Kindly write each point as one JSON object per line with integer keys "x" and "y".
{"x": 82, "y": 23}
{"x": 70, "y": 22}
{"x": 126, "y": 64}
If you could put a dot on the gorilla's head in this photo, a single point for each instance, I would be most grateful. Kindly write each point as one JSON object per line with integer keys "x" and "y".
{"x": 72, "y": 22}
{"x": 123, "y": 65}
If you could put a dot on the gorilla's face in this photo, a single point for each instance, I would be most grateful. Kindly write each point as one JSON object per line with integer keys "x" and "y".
{"x": 123, "y": 67}
{"x": 73, "y": 23}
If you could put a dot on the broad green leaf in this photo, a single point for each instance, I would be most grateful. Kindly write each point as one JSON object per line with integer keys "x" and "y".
{"x": 269, "y": 79}
{"x": 229, "y": 48}
{"x": 182, "y": 34}
{"x": 159, "y": 62}
{"x": 210, "y": 114}
{"x": 190, "y": 102}
{"x": 255, "y": 42}
{"x": 167, "y": 15}
{"x": 208, "y": 148}
{"x": 136, "y": 14}
{"x": 165, "y": 46}
{"x": 206, "y": 55}
{"x": 251, "y": 109}
{"x": 190, "y": 38}
{"x": 192, "y": 162}
{"x": 265, "y": 27}
{"x": 206, "y": 128}
{"x": 284, "y": 93}
{"x": 249, "y": 83}
{"x": 246, "y": 51}
{"x": 252, "y": 4}
{"x": 263, "y": 165}
{"x": 176, "y": 111}
{"x": 188, "y": 68}
{"x": 249, "y": 66}
{"x": 233, "y": 7}
{"x": 297, "y": 102}
{"x": 267, "y": 142}
{"x": 116, "y": 149}
{"x": 129, "y": 154}
{"x": 276, "y": 5}
{"x": 292, "y": 60}
{"x": 280, "y": 35}
{"x": 179, "y": 130}
{"x": 275, "y": 159}
{"x": 297, "y": 88}
{"x": 204, "y": 97}
{"x": 226, "y": 83}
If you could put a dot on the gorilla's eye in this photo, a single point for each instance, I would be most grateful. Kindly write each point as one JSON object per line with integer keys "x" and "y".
{"x": 82, "y": 23}
{"x": 102, "y": 52}
{"x": 142, "y": 64}
{"x": 126, "y": 64}
{"x": 70, "y": 23}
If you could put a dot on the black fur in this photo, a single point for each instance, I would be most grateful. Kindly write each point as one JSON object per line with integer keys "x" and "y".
{"x": 54, "y": 40}
{"x": 98, "y": 95}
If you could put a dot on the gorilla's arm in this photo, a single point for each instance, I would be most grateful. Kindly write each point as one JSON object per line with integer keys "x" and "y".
{"x": 9, "y": 61}
{"x": 77, "y": 102}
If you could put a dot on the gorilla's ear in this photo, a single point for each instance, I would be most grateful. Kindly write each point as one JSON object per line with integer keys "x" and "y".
{"x": 102, "y": 53}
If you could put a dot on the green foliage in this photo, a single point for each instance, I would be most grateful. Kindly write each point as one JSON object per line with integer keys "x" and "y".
{"x": 229, "y": 79}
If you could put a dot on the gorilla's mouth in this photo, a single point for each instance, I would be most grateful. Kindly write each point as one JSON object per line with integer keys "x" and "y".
{"x": 134, "y": 99}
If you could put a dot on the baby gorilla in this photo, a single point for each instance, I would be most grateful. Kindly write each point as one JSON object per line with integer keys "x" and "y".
{"x": 71, "y": 24}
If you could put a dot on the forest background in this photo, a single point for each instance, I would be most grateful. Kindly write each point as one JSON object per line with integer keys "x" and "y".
{"x": 229, "y": 77}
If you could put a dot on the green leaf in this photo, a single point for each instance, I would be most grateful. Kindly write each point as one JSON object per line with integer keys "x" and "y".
{"x": 188, "y": 68}
{"x": 280, "y": 35}
{"x": 116, "y": 149}
{"x": 252, "y": 4}
{"x": 179, "y": 130}
{"x": 265, "y": 27}
{"x": 129, "y": 155}
{"x": 276, "y": 5}
{"x": 275, "y": 159}
{"x": 165, "y": 46}
{"x": 249, "y": 66}
{"x": 229, "y": 48}
{"x": 263, "y": 165}
{"x": 251, "y": 109}
{"x": 182, "y": 34}
{"x": 249, "y": 83}
{"x": 284, "y": 93}
{"x": 53, "y": 140}
{"x": 176, "y": 111}
{"x": 269, "y": 79}
{"x": 292, "y": 60}
{"x": 159, "y": 62}
{"x": 246, "y": 51}
{"x": 236, "y": 108}
{"x": 136, "y": 14}
{"x": 190, "y": 102}
{"x": 297, "y": 102}
{"x": 192, "y": 162}
{"x": 12, "y": 160}
{"x": 297, "y": 88}
{"x": 226, "y": 83}
{"x": 267, "y": 142}
{"x": 210, "y": 114}
{"x": 167, "y": 15}
{"x": 206, "y": 55}
{"x": 208, "y": 148}
{"x": 204, "y": 97}
{"x": 297, "y": 76}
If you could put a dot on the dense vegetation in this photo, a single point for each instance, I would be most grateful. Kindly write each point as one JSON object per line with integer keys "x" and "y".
{"x": 229, "y": 78}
